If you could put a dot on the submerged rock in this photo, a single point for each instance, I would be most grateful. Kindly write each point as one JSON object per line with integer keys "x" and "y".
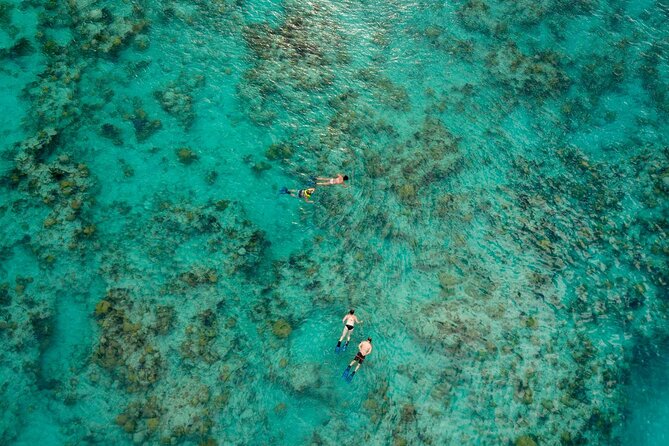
{"x": 186, "y": 155}
{"x": 102, "y": 308}
{"x": 537, "y": 76}
{"x": 281, "y": 329}
{"x": 144, "y": 127}
{"x": 279, "y": 151}
{"x": 113, "y": 133}
{"x": 21, "y": 48}
{"x": 177, "y": 99}
{"x": 260, "y": 167}
{"x": 280, "y": 408}
{"x": 525, "y": 440}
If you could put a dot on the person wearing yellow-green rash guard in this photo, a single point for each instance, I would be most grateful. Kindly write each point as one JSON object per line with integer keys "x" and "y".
{"x": 305, "y": 194}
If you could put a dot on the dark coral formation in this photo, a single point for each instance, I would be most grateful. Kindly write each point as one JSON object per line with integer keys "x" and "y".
{"x": 538, "y": 76}
{"x": 144, "y": 126}
{"x": 125, "y": 346}
{"x": 26, "y": 329}
{"x": 60, "y": 183}
{"x": 21, "y": 48}
{"x": 200, "y": 340}
{"x": 177, "y": 99}
{"x": 301, "y": 56}
{"x": 280, "y": 151}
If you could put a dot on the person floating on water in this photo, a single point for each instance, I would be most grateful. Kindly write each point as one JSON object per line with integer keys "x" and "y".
{"x": 299, "y": 193}
{"x": 349, "y": 323}
{"x": 339, "y": 179}
{"x": 364, "y": 349}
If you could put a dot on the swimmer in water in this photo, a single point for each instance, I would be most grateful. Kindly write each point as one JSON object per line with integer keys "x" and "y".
{"x": 364, "y": 349}
{"x": 349, "y": 323}
{"x": 339, "y": 179}
{"x": 299, "y": 193}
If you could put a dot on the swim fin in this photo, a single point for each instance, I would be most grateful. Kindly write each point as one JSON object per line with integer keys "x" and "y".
{"x": 349, "y": 378}
{"x": 284, "y": 190}
{"x": 344, "y": 347}
{"x": 337, "y": 349}
{"x": 344, "y": 375}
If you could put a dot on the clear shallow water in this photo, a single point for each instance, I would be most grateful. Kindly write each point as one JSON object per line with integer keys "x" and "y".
{"x": 647, "y": 406}
{"x": 504, "y": 238}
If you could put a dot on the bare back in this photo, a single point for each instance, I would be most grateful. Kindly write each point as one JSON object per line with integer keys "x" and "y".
{"x": 365, "y": 347}
{"x": 339, "y": 179}
{"x": 350, "y": 319}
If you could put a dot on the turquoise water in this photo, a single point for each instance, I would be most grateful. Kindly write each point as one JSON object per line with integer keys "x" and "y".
{"x": 503, "y": 238}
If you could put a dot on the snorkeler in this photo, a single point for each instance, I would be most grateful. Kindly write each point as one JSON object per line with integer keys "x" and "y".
{"x": 299, "y": 193}
{"x": 364, "y": 349}
{"x": 349, "y": 323}
{"x": 339, "y": 179}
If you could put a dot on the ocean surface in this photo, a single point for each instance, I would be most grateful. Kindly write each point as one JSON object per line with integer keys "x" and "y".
{"x": 503, "y": 235}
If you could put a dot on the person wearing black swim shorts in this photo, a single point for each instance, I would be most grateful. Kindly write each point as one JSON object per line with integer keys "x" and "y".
{"x": 364, "y": 349}
{"x": 349, "y": 323}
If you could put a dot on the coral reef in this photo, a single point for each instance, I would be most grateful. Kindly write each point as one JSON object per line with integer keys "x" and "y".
{"x": 280, "y": 151}
{"x": 281, "y": 329}
{"x": 200, "y": 339}
{"x": 539, "y": 76}
{"x": 21, "y": 48}
{"x": 503, "y": 235}
{"x": 177, "y": 98}
{"x": 308, "y": 48}
{"x": 125, "y": 346}
{"x": 26, "y": 329}
{"x": 186, "y": 155}
{"x": 113, "y": 133}
{"x": 144, "y": 126}
{"x": 61, "y": 183}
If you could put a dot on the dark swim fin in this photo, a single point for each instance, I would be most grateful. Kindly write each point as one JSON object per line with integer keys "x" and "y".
{"x": 284, "y": 190}
{"x": 349, "y": 378}
{"x": 337, "y": 349}
{"x": 344, "y": 375}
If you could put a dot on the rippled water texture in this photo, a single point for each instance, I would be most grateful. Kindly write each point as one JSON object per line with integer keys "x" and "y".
{"x": 503, "y": 237}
